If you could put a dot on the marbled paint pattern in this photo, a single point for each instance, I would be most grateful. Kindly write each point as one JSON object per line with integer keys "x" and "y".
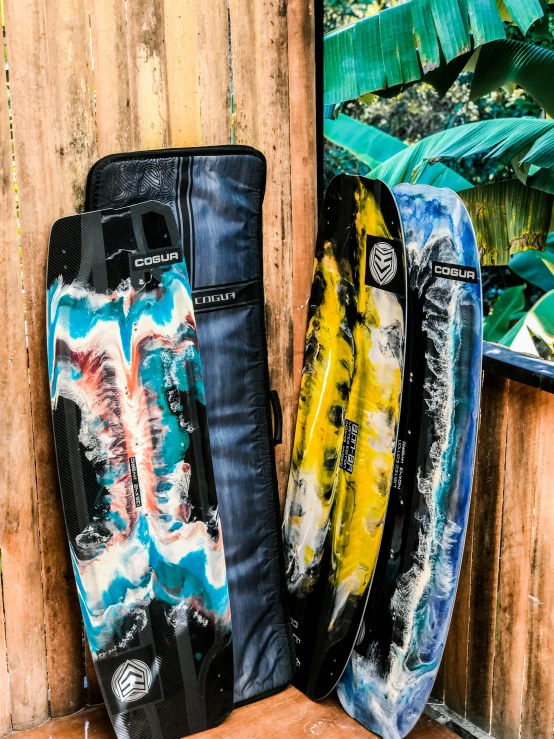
{"x": 126, "y": 359}
{"x": 387, "y": 692}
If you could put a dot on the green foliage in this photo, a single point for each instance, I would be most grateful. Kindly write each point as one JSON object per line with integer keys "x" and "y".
{"x": 367, "y": 143}
{"x": 420, "y": 112}
{"x": 508, "y": 219}
{"x": 515, "y": 62}
{"x": 536, "y": 268}
{"x": 505, "y": 78}
{"x": 534, "y": 333}
{"x": 400, "y": 44}
{"x": 372, "y": 147}
{"x": 510, "y": 303}
{"x": 503, "y": 139}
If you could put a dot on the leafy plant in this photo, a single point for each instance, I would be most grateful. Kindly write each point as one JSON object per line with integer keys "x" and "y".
{"x": 509, "y": 219}
{"x": 522, "y": 141}
{"x": 534, "y": 332}
{"x": 507, "y": 63}
{"x": 379, "y": 52}
{"x": 372, "y": 147}
{"x": 538, "y": 269}
{"x": 506, "y": 311}
{"x": 440, "y": 41}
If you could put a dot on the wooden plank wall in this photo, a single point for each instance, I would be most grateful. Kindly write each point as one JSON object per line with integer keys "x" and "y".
{"x": 88, "y": 78}
{"x": 498, "y": 667}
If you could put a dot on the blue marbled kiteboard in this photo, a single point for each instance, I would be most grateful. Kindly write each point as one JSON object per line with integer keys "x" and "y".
{"x": 392, "y": 669}
{"x": 135, "y": 470}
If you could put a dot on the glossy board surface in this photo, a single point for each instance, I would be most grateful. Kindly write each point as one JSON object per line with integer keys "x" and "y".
{"x": 135, "y": 470}
{"x": 346, "y": 427}
{"x": 391, "y": 672}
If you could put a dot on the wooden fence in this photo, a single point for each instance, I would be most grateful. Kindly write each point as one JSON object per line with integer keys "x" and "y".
{"x": 89, "y": 78}
{"x": 498, "y": 667}
{"x": 92, "y": 77}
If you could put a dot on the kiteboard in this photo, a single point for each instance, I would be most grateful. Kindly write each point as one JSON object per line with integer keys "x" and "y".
{"x": 389, "y": 677}
{"x": 133, "y": 453}
{"x": 348, "y": 414}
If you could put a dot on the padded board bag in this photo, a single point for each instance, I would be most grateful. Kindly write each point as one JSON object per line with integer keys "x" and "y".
{"x": 135, "y": 470}
{"x": 216, "y": 195}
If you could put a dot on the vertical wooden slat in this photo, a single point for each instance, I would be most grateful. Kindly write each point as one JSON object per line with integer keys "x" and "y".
{"x": 455, "y": 658}
{"x": 515, "y": 559}
{"x": 214, "y": 72}
{"x": 5, "y": 703}
{"x": 301, "y": 40}
{"x": 181, "y": 50}
{"x": 53, "y": 113}
{"x": 19, "y": 544}
{"x": 247, "y": 71}
{"x": 111, "y": 76}
{"x": 260, "y": 84}
{"x": 488, "y": 492}
{"x": 148, "y": 73}
{"x": 538, "y": 696}
{"x": 19, "y": 539}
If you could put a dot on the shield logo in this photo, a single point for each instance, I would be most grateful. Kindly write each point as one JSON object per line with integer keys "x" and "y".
{"x": 132, "y": 680}
{"x": 382, "y": 263}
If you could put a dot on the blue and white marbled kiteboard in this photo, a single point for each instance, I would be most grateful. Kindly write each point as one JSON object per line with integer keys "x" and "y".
{"x": 135, "y": 471}
{"x": 392, "y": 669}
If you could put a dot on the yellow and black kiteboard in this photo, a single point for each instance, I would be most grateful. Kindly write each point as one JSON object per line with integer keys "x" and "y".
{"x": 346, "y": 429}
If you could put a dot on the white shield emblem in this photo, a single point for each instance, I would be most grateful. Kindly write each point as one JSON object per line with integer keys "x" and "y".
{"x": 132, "y": 680}
{"x": 382, "y": 263}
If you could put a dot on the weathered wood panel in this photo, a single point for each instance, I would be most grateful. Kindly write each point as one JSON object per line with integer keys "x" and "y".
{"x": 198, "y": 79}
{"x": 148, "y": 74}
{"x": 19, "y": 543}
{"x": 159, "y": 74}
{"x": 538, "y": 696}
{"x": 111, "y": 76}
{"x": 507, "y": 685}
{"x": 288, "y": 715}
{"x": 214, "y": 81}
{"x": 52, "y": 98}
{"x": 181, "y": 48}
{"x": 303, "y": 147}
{"x": 515, "y": 560}
{"x": 259, "y": 41}
{"x": 94, "y": 694}
{"x": 5, "y": 704}
{"x": 488, "y": 493}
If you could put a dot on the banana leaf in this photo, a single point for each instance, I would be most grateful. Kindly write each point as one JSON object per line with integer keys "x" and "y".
{"x": 507, "y": 305}
{"x": 507, "y": 339}
{"x": 367, "y": 143}
{"x": 509, "y": 61}
{"x": 536, "y": 267}
{"x": 372, "y": 147}
{"x": 403, "y": 43}
{"x": 501, "y": 139}
{"x": 508, "y": 218}
{"x": 535, "y": 334}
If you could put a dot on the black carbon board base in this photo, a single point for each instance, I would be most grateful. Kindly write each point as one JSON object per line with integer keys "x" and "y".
{"x": 135, "y": 471}
{"x": 346, "y": 428}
